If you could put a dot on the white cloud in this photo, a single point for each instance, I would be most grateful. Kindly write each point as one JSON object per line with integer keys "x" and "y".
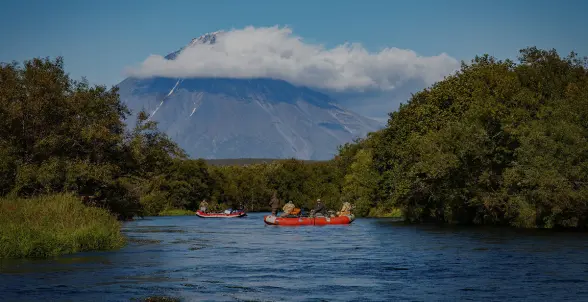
{"x": 275, "y": 52}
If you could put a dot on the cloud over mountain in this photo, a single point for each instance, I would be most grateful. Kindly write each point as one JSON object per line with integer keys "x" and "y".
{"x": 275, "y": 52}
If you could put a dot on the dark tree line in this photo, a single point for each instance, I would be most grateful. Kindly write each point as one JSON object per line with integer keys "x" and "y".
{"x": 498, "y": 142}
{"x": 57, "y": 135}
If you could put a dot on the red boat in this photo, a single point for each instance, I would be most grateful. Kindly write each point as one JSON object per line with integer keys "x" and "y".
{"x": 289, "y": 221}
{"x": 233, "y": 214}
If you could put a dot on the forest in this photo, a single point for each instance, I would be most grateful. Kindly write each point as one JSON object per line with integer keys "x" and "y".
{"x": 498, "y": 142}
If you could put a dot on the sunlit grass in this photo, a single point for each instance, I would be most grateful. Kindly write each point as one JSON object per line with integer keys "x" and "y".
{"x": 53, "y": 225}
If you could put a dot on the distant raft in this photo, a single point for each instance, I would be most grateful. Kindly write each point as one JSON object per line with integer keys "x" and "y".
{"x": 292, "y": 221}
{"x": 234, "y": 214}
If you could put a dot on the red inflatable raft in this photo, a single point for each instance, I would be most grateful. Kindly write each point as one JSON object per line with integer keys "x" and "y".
{"x": 275, "y": 220}
{"x": 221, "y": 215}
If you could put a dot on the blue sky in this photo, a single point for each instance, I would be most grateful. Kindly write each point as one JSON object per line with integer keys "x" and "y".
{"x": 98, "y": 39}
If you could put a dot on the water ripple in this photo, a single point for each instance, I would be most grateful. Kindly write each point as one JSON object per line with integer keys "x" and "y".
{"x": 243, "y": 259}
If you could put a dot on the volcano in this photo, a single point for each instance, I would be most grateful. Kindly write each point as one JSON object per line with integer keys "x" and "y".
{"x": 219, "y": 118}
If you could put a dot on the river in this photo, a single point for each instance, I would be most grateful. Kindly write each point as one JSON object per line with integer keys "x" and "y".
{"x": 243, "y": 259}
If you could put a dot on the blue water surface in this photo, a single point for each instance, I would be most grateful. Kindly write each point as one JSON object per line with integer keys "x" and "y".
{"x": 242, "y": 259}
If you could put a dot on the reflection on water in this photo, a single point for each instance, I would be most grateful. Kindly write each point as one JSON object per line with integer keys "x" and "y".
{"x": 370, "y": 260}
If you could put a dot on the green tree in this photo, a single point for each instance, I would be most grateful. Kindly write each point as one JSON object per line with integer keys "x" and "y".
{"x": 361, "y": 182}
{"x": 497, "y": 142}
{"x": 59, "y": 135}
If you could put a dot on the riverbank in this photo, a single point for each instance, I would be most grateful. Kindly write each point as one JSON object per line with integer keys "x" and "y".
{"x": 385, "y": 213}
{"x": 373, "y": 213}
{"x": 176, "y": 212}
{"x": 54, "y": 225}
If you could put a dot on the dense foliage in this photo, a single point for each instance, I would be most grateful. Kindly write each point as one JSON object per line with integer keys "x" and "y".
{"x": 498, "y": 142}
{"x": 60, "y": 135}
{"x": 251, "y": 186}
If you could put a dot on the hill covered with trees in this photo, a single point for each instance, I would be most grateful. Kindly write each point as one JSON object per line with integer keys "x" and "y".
{"x": 497, "y": 143}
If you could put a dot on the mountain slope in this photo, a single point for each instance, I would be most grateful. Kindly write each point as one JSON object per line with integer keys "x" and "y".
{"x": 244, "y": 118}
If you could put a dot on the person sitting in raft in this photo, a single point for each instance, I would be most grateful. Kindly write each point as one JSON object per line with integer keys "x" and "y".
{"x": 287, "y": 209}
{"x": 345, "y": 209}
{"x": 203, "y": 205}
{"x": 319, "y": 209}
{"x": 302, "y": 212}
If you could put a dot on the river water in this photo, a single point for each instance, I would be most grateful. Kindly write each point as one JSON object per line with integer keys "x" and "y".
{"x": 243, "y": 259}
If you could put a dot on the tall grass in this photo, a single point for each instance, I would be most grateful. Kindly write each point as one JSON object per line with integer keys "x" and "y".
{"x": 52, "y": 225}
